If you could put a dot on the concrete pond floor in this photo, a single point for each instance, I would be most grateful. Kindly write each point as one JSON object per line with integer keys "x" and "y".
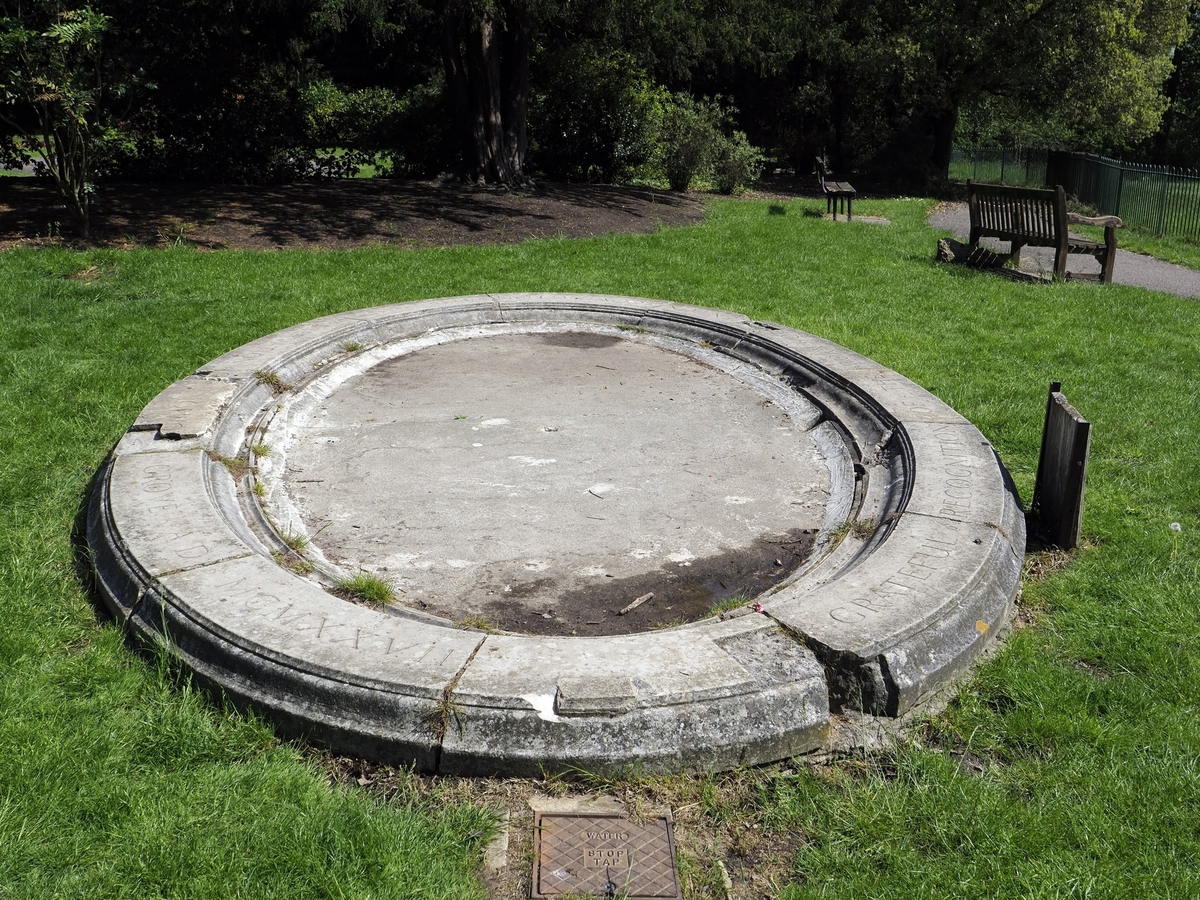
{"x": 541, "y": 483}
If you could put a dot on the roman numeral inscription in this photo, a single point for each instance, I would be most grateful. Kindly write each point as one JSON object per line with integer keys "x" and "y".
{"x": 300, "y": 620}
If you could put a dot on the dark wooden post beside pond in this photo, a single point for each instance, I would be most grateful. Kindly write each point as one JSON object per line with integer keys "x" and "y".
{"x": 1062, "y": 472}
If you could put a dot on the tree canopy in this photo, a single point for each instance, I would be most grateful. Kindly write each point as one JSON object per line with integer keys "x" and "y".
{"x": 501, "y": 90}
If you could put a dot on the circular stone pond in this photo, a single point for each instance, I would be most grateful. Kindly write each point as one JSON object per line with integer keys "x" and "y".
{"x": 616, "y": 531}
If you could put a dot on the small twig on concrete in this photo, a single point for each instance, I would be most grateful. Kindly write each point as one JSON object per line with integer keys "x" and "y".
{"x": 636, "y": 603}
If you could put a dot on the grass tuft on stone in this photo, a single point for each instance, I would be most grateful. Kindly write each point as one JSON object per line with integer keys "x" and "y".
{"x": 369, "y": 588}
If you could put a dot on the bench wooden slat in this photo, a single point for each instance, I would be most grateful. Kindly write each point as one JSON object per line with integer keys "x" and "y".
{"x": 1033, "y": 217}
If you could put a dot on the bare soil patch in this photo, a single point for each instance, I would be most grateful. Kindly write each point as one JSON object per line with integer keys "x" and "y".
{"x": 335, "y": 215}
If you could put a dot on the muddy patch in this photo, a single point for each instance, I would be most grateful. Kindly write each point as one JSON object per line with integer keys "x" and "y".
{"x": 579, "y": 340}
{"x": 681, "y": 593}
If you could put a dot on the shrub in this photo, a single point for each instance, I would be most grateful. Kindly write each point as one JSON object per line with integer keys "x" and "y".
{"x": 737, "y": 165}
{"x": 596, "y": 117}
{"x": 697, "y": 139}
{"x": 690, "y": 132}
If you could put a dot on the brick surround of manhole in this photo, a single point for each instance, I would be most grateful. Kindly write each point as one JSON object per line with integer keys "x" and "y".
{"x": 875, "y": 528}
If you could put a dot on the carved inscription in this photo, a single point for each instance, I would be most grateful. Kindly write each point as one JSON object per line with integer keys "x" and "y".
{"x": 926, "y": 561}
{"x": 260, "y": 602}
{"x": 157, "y": 480}
{"x": 958, "y": 466}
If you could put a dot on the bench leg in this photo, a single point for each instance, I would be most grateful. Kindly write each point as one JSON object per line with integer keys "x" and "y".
{"x": 1060, "y": 265}
{"x": 849, "y": 208}
{"x": 1110, "y": 254}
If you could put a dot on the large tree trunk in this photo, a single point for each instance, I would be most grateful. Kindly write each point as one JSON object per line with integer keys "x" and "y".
{"x": 945, "y": 124}
{"x": 487, "y": 71}
{"x": 515, "y": 86}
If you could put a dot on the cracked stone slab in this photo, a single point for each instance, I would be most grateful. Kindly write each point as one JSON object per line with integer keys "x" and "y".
{"x": 186, "y": 409}
{"x": 933, "y": 594}
{"x": 913, "y": 567}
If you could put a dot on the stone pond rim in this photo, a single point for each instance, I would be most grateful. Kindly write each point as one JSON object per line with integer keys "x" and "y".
{"x": 914, "y": 567}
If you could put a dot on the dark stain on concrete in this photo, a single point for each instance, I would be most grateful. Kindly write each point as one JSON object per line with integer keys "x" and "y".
{"x": 682, "y": 593}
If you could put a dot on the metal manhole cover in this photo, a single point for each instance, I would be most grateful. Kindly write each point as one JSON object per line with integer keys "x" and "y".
{"x": 582, "y": 854}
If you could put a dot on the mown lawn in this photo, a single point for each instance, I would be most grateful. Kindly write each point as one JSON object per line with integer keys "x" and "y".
{"x": 1069, "y": 767}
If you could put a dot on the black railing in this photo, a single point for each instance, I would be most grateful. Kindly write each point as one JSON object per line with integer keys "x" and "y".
{"x": 1160, "y": 199}
{"x": 1023, "y": 167}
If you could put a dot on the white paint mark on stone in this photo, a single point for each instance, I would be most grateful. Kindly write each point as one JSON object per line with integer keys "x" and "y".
{"x": 592, "y": 572}
{"x": 493, "y": 423}
{"x": 599, "y": 489}
{"x": 533, "y": 461}
{"x": 738, "y": 501}
{"x": 544, "y": 704}
{"x": 683, "y": 556}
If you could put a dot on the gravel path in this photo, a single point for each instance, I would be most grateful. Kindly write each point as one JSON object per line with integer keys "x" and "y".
{"x": 1130, "y": 268}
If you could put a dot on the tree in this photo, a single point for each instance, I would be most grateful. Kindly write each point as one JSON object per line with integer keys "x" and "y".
{"x": 53, "y": 78}
{"x": 887, "y": 82}
{"x": 485, "y": 48}
{"x": 1096, "y": 66}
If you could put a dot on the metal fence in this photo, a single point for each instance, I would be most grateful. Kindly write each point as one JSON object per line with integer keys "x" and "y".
{"x": 1025, "y": 167}
{"x": 1161, "y": 199}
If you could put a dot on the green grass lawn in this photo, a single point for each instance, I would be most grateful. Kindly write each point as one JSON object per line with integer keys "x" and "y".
{"x": 1068, "y": 767}
{"x": 1176, "y": 250}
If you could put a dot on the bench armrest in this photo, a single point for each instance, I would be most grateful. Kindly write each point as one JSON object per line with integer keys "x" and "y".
{"x": 1106, "y": 221}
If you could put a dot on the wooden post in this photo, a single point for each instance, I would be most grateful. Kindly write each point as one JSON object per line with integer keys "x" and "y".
{"x": 1062, "y": 471}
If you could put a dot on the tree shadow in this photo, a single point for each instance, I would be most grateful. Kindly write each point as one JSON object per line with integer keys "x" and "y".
{"x": 338, "y": 214}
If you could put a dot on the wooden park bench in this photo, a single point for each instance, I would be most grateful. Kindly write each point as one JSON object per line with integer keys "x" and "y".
{"x": 835, "y": 191}
{"x": 1032, "y": 217}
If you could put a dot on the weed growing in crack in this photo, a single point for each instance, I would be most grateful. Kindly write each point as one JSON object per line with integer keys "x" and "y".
{"x": 293, "y": 541}
{"x": 364, "y": 586}
{"x": 236, "y": 466}
{"x": 438, "y": 719}
{"x": 293, "y": 562}
{"x": 729, "y": 604}
{"x": 859, "y": 528}
{"x": 273, "y": 381}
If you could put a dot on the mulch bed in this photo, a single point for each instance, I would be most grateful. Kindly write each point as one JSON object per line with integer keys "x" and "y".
{"x": 336, "y": 215}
